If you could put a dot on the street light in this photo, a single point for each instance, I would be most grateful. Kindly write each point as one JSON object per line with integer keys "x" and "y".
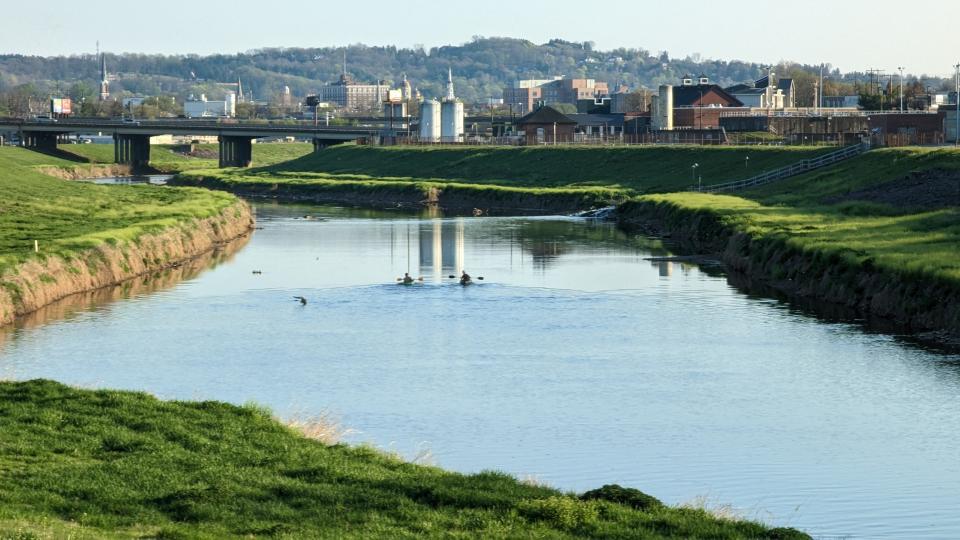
{"x": 693, "y": 172}
{"x": 746, "y": 162}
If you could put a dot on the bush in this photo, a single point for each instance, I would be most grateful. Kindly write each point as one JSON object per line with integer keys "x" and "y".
{"x": 634, "y": 498}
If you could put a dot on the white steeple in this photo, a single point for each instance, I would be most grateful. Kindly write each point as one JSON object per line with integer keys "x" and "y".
{"x": 451, "y": 96}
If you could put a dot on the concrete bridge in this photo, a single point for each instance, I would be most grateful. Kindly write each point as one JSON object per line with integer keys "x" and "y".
{"x": 132, "y": 138}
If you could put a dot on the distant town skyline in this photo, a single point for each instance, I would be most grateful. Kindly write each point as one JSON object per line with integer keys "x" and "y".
{"x": 852, "y": 36}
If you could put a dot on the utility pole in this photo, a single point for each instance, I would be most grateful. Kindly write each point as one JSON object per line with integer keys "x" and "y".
{"x": 956, "y": 134}
{"x": 820, "y": 90}
{"x": 901, "y": 88}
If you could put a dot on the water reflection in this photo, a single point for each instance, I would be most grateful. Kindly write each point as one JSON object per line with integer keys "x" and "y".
{"x": 77, "y": 305}
{"x": 579, "y": 360}
{"x": 441, "y": 246}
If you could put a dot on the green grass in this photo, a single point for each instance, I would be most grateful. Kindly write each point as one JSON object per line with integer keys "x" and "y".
{"x": 798, "y": 214}
{"x": 105, "y": 464}
{"x": 169, "y": 158}
{"x": 68, "y": 217}
{"x": 642, "y": 169}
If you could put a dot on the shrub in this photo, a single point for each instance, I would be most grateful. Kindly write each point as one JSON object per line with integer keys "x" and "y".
{"x": 634, "y": 498}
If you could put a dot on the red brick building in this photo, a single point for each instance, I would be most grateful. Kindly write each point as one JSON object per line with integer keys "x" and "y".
{"x": 547, "y": 125}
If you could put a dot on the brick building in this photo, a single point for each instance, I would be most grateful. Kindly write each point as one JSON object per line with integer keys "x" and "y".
{"x": 524, "y": 95}
{"x": 547, "y": 125}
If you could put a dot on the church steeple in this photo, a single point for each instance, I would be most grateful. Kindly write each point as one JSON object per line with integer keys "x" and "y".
{"x": 451, "y": 96}
{"x": 104, "y": 78}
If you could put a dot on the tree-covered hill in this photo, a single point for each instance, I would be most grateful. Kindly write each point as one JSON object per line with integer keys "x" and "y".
{"x": 481, "y": 68}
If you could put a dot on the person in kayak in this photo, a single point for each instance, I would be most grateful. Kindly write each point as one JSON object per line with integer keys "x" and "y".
{"x": 407, "y": 280}
{"x": 465, "y": 279}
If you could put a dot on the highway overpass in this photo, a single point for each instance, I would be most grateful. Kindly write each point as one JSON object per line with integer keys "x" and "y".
{"x": 132, "y": 138}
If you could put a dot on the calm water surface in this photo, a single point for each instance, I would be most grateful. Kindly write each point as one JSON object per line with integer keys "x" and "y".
{"x": 576, "y": 361}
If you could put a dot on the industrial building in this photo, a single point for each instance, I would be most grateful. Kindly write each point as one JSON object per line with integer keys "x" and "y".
{"x": 203, "y": 108}
{"x": 765, "y": 93}
{"x": 443, "y": 121}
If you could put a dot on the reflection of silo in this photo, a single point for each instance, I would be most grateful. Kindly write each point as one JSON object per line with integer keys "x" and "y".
{"x": 664, "y": 117}
{"x": 431, "y": 250}
{"x": 430, "y": 121}
{"x": 452, "y": 115}
{"x": 453, "y": 246}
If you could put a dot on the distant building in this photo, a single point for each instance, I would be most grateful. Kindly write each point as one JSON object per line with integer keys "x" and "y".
{"x": 353, "y": 96}
{"x": 202, "y": 108}
{"x": 765, "y": 93}
{"x": 547, "y": 125}
{"x": 695, "y": 104}
{"x": 527, "y": 93}
{"x": 950, "y": 124}
{"x": 702, "y": 94}
{"x": 841, "y": 102}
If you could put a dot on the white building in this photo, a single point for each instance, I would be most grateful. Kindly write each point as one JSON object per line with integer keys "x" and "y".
{"x": 202, "y": 108}
{"x": 765, "y": 93}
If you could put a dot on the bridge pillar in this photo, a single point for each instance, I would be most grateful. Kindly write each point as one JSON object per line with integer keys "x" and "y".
{"x": 131, "y": 150}
{"x": 236, "y": 151}
{"x": 45, "y": 141}
{"x": 321, "y": 144}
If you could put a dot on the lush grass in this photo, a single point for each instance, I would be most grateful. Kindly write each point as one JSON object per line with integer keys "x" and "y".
{"x": 170, "y": 158}
{"x": 919, "y": 244}
{"x": 67, "y": 217}
{"x": 116, "y": 464}
{"x": 642, "y": 169}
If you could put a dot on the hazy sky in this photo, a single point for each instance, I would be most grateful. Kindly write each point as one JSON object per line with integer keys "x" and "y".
{"x": 850, "y": 34}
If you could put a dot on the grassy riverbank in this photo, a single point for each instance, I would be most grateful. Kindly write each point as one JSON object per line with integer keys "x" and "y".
{"x": 389, "y": 192}
{"x": 59, "y": 237}
{"x": 103, "y": 464}
{"x": 177, "y": 158}
{"x": 641, "y": 169}
{"x": 880, "y": 232}
{"x": 69, "y": 217}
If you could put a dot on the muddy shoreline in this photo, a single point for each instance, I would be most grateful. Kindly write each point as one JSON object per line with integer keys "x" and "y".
{"x": 455, "y": 198}
{"x": 38, "y": 283}
{"x": 922, "y": 311}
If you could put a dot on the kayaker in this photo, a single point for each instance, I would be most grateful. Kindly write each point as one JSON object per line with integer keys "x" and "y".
{"x": 407, "y": 280}
{"x": 465, "y": 279}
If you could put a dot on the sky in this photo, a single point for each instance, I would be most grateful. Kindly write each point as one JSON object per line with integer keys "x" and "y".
{"x": 853, "y": 35}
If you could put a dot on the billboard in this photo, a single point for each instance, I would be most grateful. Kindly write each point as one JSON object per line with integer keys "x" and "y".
{"x": 62, "y": 106}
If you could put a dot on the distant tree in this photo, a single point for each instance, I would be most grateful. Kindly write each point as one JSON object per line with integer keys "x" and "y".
{"x": 246, "y": 111}
{"x": 80, "y": 92}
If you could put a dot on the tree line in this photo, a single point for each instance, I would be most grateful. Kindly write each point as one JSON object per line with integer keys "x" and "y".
{"x": 481, "y": 69}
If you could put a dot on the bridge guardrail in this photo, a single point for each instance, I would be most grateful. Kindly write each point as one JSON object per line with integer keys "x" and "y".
{"x": 786, "y": 172}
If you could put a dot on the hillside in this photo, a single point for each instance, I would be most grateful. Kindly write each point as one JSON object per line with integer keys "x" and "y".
{"x": 878, "y": 234}
{"x": 643, "y": 169}
{"x": 103, "y": 464}
{"x": 481, "y": 68}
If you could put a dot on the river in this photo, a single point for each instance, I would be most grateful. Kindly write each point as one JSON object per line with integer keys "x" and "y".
{"x": 577, "y": 361}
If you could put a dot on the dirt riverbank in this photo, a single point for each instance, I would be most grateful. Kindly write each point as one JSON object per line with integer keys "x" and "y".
{"x": 488, "y": 200}
{"x": 44, "y": 280}
{"x": 924, "y": 308}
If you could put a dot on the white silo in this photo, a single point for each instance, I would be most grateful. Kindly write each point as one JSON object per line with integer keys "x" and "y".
{"x": 664, "y": 118}
{"x": 452, "y": 114}
{"x": 430, "y": 121}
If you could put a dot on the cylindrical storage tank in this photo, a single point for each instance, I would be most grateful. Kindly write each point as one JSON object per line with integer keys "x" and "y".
{"x": 430, "y": 121}
{"x": 452, "y": 131}
{"x": 666, "y": 107}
